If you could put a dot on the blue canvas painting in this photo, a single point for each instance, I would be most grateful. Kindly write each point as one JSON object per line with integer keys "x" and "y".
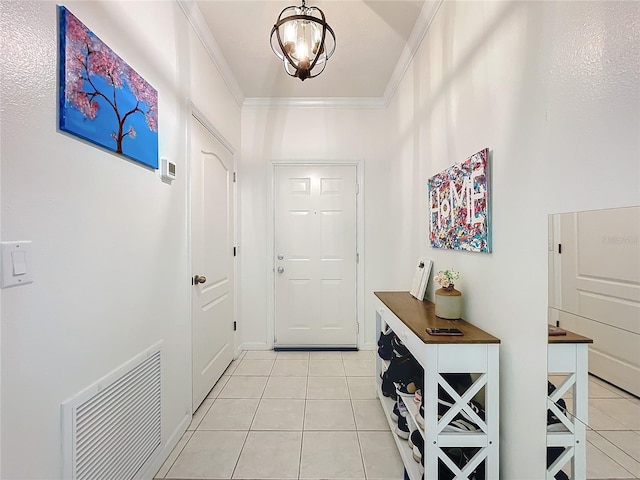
{"x": 102, "y": 99}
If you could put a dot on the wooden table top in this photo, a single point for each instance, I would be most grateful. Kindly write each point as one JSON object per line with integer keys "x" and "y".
{"x": 570, "y": 337}
{"x": 420, "y": 315}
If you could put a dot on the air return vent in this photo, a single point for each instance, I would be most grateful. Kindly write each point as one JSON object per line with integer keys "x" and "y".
{"x": 112, "y": 428}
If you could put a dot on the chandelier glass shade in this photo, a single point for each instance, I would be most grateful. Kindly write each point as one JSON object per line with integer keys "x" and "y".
{"x": 303, "y": 40}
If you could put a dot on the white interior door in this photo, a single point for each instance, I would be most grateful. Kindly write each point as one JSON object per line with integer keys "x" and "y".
{"x": 212, "y": 259}
{"x": 315, "y": 256}
{"x": 600, "y": 289}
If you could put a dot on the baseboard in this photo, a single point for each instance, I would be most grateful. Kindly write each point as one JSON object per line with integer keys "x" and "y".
{"x": 162, "y": 455}
{"x": 255, "y": 346}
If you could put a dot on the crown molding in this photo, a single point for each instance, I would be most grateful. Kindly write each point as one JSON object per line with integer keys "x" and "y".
{"x": 195, "y": 18}
{"x": 420, "y": 29}
{"x": 318, "y": 102}
{"x": 423, "y": 23}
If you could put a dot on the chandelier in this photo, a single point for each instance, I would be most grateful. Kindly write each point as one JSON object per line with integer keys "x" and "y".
{"x": 301, "y": 41}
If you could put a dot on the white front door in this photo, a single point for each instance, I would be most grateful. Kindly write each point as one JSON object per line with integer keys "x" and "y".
{"x": 315, "y": 256}
{"x": 212, "y": 259}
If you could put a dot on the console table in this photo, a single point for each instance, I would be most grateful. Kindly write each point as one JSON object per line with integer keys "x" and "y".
{"x": 568, "y": 355}
{"x": 476, "y": 352}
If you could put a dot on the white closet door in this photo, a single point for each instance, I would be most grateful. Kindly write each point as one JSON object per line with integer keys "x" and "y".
{"x": 600, "y": 274}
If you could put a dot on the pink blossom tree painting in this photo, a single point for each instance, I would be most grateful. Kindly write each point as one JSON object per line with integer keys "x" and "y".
{"x": 102, "y": 99}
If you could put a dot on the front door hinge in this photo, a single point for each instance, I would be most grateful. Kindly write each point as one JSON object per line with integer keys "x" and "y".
{"x": 559, "y": 248}
{"x": 357, "y": 258}
{"x": 357, "y": 188}
{"x": 235, "y": 251}
{"x": 357, "y": 327}
{"x": 235, "y": 178}
{"x": 235, "y": 326}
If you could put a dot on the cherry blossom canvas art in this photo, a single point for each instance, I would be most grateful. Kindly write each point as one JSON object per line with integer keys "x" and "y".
{"x": 102, "y": 99}
{"x": 459, "y": 213}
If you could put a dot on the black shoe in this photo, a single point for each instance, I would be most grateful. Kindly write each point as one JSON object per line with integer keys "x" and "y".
{"x": 405, "y": 389}
{"x": 387, "y": 387}
{"x": 553, "y": 422}
{"x": 459, "y": 424}
{"x": 462, "y": 422}
{"x": 399, "y": 410}
{"x": 385, "y": 349}
{"x": 444, "y": 406}
{"x": 417, "y": 444}
{"x": 420, "y": 417}
{"x": 402, "y": 430}
{"x": 552, "y": 454}
{"x": 395, "y": 413}
{"x": 398, "y": 347}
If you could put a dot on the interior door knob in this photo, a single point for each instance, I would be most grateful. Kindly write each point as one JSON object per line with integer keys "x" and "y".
{"x": 199, "y": 279}
{"x": 280, "y": 269}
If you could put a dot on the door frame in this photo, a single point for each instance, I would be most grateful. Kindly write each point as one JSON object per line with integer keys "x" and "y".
{"x": 271, "y": 218}
{"x": 195, "y": 114}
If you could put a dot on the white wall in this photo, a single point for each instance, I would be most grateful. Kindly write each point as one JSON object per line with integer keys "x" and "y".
{"x": 210, "y": 95}
{"x": 306, "y": 134}
{"x": 553, "y": 89}
{"x": 110, "y": 253}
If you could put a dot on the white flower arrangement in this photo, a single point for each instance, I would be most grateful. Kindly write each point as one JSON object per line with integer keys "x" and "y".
{"x": 446, "y": 278}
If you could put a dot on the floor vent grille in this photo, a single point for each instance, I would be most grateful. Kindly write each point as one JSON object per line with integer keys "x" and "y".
{"x": 112, "y": 428}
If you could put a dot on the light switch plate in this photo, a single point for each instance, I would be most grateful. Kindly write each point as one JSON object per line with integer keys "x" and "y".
{"x": 16, "y": 263}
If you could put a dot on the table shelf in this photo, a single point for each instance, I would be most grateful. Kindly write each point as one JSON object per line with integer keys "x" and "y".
{"x": 567, "y": 355}
{"x": 413, "y": 468}
{"x": 475, "y": 352}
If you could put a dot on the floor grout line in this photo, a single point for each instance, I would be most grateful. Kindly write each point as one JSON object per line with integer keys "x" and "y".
{"x": 615, "y": 449}
{"x": 613, "y": 459}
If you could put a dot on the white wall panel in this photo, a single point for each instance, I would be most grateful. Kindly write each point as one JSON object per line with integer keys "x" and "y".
{"x": 551, "y": 88}
{"x": 109, "y": 236}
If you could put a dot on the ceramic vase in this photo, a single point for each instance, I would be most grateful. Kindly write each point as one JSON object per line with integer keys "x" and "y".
{"x": 448, "y": 303}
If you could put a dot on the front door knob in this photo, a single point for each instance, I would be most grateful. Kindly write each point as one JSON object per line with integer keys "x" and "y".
{"x": 199, "y": 279}
{"x": 280, "y": 269}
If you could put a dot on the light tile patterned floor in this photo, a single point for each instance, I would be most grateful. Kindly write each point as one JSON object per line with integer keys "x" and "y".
{"x": 315, "y": 415}
{"x": 613, "y": 450}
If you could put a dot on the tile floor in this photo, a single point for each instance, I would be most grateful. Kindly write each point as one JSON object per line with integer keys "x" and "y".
{"x": 315, "y": 415}
{"x": 613, "y": 435}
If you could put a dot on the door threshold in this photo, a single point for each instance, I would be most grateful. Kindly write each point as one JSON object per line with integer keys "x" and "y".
{"x": 315, "y": 349}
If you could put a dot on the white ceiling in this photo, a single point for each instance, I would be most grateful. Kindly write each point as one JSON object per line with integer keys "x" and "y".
{"x": 375, "y": 40}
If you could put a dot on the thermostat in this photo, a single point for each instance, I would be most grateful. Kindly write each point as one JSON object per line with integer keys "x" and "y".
{"x": 167, "y": 169}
